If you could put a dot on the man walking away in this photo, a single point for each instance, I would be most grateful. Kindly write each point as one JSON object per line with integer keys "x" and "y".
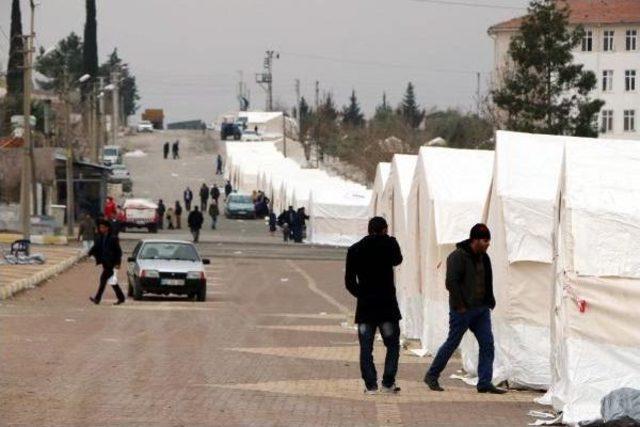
{"x": 175, "y": 150}
{"x": 214, "y": 211}
{"x": 165, "y": 150}
{"x": 195, "y": 221}
{"x": 87, "y": 232}
{"x": 188, "y": 197}
{"x": 107, "y": 252}
{"x": 283, "y": 222}
{"x": 469, "y": 280}
{"x": 178, "y": 212}
{"x": 215, "y": 193}
{"x": 161, "y": 211}
{"x": 227, "y": 190}
{"x": 219, "y": 165}
{"x": 204, "y": 197}
{"x": 369, "y": 278}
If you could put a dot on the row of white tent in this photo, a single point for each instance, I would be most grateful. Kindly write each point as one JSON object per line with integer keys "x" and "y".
{"x": 565, "y": 220}
{"x": 338, "y": 208}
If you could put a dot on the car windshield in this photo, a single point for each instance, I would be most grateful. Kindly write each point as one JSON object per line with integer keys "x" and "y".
{"x": 240, "y": 199}
{"x": 110, "y": 152}
{"x": 170, "y": 251}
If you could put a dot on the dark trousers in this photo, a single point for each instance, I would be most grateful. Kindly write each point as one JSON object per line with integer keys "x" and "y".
{"x": 390, "y": 332}
{"x": 187, "y": 204}
{"x": 107, "y": 272}
{"x": 195, "y": 232}
{"x": 179, "y": 221}
{"x": 478, "y": 321}
{"x": 203, "y": 205}
{"x": 219, "y": 170}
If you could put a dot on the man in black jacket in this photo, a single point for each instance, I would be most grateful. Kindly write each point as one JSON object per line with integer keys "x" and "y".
{"x": 469, "y": 281}
{"x": 204, "y": 197}
{"x": 195, "y": 220}
{"x": 107, "y": 252}
{"x": 369, "y": 278}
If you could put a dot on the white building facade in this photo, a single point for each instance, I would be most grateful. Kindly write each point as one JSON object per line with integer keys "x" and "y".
{"x": 610, "y": 49}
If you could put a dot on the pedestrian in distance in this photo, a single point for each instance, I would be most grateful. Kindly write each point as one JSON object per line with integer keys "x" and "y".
{"x": 188, "y": 197}
{"x": 303, "y": 217}
{"x": 170, "y": 218}
{"x": 178, "y": 212}
{"x": 214, "y": 211}
{"x": 107, "y": 252}
{"x": 204, "y": 197}
{"x": 227, "y": 190}
{"x": 369, "y": 277}
{"x": 175, "y": 150}
{"x": 110, "y": 209}
{"x": 215, "y": 193}
{"x": 87, "y": 232}
{"x": 165, "y": 150}
{"x": 219, "y": 165}
{"x": 284, "y": 222}
{"x": 195, "y": 221}
{"x": 273, "y": 222}
{"x": 161, "y": 210}
{"x": 469, "y": 280}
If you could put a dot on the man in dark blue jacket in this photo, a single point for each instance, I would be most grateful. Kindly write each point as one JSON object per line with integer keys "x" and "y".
{"x": 107, "y": 252}
{"x": 470, "y": 284}
{"x": 369, "y": 277}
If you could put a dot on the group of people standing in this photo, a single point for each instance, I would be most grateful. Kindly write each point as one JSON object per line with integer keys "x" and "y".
{"x": 369, "y": 277}
{"x": 173, "y": 215}
{"x": 175, "y": 149}
{"x": 293, "y": 224}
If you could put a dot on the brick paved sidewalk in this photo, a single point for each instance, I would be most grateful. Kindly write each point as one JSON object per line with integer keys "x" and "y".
{"x": 16, "y": 278}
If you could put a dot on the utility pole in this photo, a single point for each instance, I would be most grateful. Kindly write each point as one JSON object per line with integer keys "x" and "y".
{"x": 478, "y": 92}
{"x": 115, "y": 77}
{"x": 266, "y": 78}
{"x": 298, "y": 99}
{"x": 101, "y": 118}
{"x": 284, "y": 134}
{"x": 93, "y": 110}
{"x": 316, "y": 102}
{"x": 69, "y": 146}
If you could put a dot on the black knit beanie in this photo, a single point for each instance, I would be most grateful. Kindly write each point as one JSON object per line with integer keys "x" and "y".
{"x": 480, "y": 231}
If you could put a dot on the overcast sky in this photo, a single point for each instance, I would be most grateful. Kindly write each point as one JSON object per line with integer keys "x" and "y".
{"x": 186, "y": 53}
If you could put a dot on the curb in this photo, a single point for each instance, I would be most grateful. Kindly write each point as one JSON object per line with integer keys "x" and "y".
{"x": 11, "y": 289}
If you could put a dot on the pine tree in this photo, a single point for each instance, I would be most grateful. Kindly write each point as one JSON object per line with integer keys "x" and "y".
{"x": 383, "y": 111}
{"x": 128, "y": 86}
{"x": 15, "y": 74}
{"x": 409, "y": 109}
{"x": 544, "y": 92}
{"x": 90, "y": 50}
{"x": 351, "y": 114}
{"x": 67, "y": 54}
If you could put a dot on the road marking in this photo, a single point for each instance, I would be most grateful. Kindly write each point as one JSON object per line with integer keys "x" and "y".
{"x": 313, "y": 287}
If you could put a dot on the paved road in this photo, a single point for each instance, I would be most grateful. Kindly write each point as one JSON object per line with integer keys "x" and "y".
{"x": 272, "y": 346}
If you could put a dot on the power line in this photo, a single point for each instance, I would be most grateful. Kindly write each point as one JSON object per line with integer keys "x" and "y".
{"x": 469, "y": 4}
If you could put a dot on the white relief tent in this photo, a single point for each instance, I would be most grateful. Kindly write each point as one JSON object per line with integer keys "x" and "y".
{"x": 382, "y": 175}
{"x": 522, "y": 216}
{"x": 448, "y": 196}
{"x": 395, "y": 201}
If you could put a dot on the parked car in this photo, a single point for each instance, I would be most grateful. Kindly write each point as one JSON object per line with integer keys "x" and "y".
{"x": 250, "y": 136}
{"x": 140, "y": 213}
{"x": 240, "y": 206}
{"x": 166, "y": 267}
{"x": 230, "y": 129}
{"x": 111, "y": 155}
{"x": 144, "y": 126}
{"x": 119, "y": 174}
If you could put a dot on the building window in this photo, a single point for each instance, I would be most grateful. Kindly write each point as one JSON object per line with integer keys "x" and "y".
{"x": 607, "y": 121}
{"x": 587, "y": 41}
{"x": 631, "y": 39}
{"x": 607, "y": 80}
{"x": 630, "y": 80}
{"x": 629, "y": 120}
{"x": 608, "y": 40}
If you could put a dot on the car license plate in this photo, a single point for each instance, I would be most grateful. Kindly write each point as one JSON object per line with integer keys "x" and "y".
{"x": 172, "y": 282}
{"x": 141, "y": 221}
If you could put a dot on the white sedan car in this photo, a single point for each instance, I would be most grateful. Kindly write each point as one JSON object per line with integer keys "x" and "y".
{"x": 145, "y": 126}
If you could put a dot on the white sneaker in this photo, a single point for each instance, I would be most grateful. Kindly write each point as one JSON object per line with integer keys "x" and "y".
{"x": 390, "y": 390}
{"x": 370, "y": 392}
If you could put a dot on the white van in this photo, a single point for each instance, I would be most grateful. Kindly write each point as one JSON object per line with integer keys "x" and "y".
{"x": 111, "y": 155}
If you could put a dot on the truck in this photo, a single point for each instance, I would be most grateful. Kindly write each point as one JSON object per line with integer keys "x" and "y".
{"x": 140, "y": 213}
{"x": 155, "y": 116}
{"x": 230, "y": 129}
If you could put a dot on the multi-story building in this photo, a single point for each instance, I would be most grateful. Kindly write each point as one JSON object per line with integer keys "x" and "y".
{"x": 610, "y": 48}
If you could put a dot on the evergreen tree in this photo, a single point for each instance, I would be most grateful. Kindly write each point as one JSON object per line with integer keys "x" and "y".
{"x": 128, "y": 85}
{"x": 68, "y": 53}
{"x": 15, "y": 74}
{"x": 90, "y": 51}
{"x": 305, "y": 121}
{"x": 409, "y": 109}
{"x": 351, "y": 114}
{"x": 383, "y": 111}
{"x": 544, "y": 92}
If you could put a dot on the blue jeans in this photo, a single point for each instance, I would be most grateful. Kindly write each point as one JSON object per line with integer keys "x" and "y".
{"x": 478, "y": 321}
{"x": 390, "y": 332}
